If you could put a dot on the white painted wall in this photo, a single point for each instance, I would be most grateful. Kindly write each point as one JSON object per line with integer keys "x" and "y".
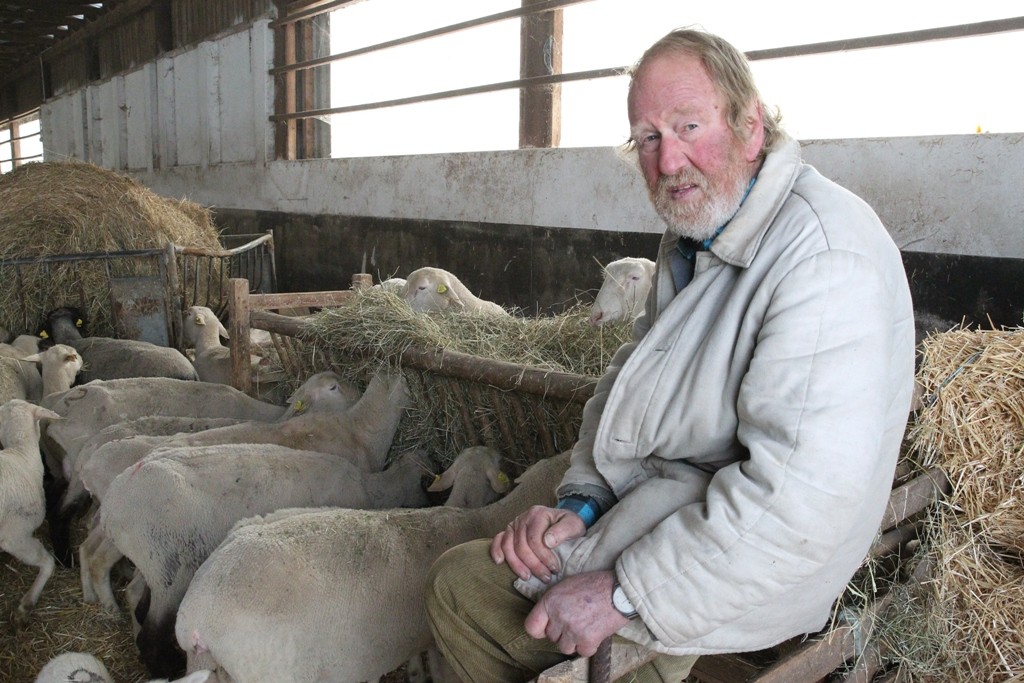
{"x": 210, "y": 141}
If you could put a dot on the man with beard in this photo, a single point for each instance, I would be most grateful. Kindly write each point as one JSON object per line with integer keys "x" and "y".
{"x": 735, "y": 461}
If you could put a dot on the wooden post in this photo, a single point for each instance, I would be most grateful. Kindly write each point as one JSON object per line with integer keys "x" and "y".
{"x": 238, "y": 307}
{"x": 361, "y": 280}
{"x": 540, "y": 54}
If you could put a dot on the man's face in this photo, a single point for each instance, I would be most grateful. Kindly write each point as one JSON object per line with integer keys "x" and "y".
{"x": 696, "y": 168}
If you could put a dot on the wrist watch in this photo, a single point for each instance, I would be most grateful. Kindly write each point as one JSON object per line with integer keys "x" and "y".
{"x": 621, "y": 603}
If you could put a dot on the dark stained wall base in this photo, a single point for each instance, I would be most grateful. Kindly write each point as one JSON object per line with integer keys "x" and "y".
{"x": 544, "y": 270}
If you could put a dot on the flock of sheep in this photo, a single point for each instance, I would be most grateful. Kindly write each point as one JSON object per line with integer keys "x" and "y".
{"x": 268, "y": 542}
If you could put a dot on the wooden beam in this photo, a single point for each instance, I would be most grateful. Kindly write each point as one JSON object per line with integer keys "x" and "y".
{"x": 540, "y": 54}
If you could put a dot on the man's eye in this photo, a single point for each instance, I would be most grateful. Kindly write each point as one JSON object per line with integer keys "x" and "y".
{"x": 648, "y": 142}
{"x": 688, "y": 127}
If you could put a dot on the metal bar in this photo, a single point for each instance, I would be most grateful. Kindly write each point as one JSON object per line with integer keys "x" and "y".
{"x": 201, "y": 251}
{"x": 98, "y": 255}
{"x": 889, "y": 39}
{"x": 474, "y": 90}
{"x": 941, "y": 33}
{"x": 540, "y": 7}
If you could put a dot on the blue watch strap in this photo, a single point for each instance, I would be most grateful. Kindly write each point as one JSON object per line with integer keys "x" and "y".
{"x": 586, "y": 508}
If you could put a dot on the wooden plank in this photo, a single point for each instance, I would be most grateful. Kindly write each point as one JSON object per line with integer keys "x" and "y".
{"x": 625, "y": 657}
{"x": 914, "y": 496}
{"x": 540, "y": 54}
{"x": 263, "y": 302}
{"x": 238, "y": 312}
{"x": 723, "y": 669}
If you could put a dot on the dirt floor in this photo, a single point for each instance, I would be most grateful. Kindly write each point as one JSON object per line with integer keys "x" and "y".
{"x": 61, "y": 623}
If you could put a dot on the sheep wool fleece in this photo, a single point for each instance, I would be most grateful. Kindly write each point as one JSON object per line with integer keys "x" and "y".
{"x": 750, "y": 430}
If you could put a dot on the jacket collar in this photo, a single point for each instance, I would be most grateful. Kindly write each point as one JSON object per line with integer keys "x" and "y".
{"x": 738, "y": 243}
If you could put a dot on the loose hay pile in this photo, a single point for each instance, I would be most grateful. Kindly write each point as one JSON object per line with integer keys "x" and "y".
{"x": 966, "y": 624}
{"x": 55, "y": 208}
{"x": 447, "y": 414}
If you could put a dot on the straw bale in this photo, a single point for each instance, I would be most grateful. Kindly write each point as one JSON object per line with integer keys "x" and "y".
{"x": 965, "y": 622}
{"x": 447, "y": 414}
{"x": 56, "y": 208}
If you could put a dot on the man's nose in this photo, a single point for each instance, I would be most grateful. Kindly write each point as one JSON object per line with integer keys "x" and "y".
{"x": 672, "y": 156}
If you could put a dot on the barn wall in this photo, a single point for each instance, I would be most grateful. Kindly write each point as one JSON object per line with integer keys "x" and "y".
{"x": 522, "y": 227}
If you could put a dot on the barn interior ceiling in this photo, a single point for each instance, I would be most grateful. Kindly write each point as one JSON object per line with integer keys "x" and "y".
{"x": 29, "y": 27}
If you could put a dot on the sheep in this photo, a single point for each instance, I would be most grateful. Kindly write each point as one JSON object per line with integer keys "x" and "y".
{"x": 21, "y": 346}
{"x": 268, "y": 604}
{"x": 392, "y": 284}
{"x": 19, "y": 379}
{"x": 22, "y": 503}
{"x": 474, "y": 478}
{"x": 432, "y": 289}
{"x": 623, "y": 292}
{"x": 109, "y": 358}
{"x": 91, "y": 407}
{"x": 167, "y": 514}
{"x": 321, "y": 418}
{"x": 82, "y": 667}
{"x": 59, "y": 365}
{"x": 203, "y": 330}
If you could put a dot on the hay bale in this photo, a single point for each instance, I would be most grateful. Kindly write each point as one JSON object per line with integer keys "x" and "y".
{"x": 376, "y": 326}
{"x": 964, "y": 624}
{"x": 58, "y": 208}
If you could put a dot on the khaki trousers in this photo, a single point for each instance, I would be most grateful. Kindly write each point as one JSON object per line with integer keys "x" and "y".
{"x": 477, "y": 616}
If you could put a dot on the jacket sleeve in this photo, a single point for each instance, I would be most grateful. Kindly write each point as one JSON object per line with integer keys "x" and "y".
{"x": 812, "y": 409}
{"x": 582, "y": 476}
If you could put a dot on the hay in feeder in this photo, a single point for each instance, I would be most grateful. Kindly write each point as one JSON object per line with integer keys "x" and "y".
{"x": 965, "y": 622}
{"x": 58, "y": 208}
{"x": 447, "y": 414}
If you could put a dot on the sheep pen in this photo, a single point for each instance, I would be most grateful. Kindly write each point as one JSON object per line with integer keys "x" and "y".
{"x": 62, "y": 208}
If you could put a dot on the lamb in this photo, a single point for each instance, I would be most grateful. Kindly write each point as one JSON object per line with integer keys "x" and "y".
{"x": 474, "y": 479}
{"x": 433, "y": 289}
{"x": 22, "y": 502}
{"x": 248, "y": 596}
{"x": 203, "y": 330}
{"x": 109, "y": 358}
{"x": 21, "y": 346}
{"x": 20, "y": 375}
{"x": 19, "y": 379}
{"x": 167, "y": 514}
{"x": 82, "y": 667}
{"x": 623, "y": 292}
{"x": 320, "y": 418}
{"x": 392, "y": 284}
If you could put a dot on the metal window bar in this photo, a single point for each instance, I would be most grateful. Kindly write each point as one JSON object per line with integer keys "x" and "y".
{"x": 538, "y": 8}
{"x": 885, "y": 40}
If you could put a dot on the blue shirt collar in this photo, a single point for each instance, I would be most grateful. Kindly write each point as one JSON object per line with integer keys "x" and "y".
{"x": 689, "y": 247}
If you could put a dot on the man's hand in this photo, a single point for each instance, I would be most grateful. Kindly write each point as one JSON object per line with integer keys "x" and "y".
{"x": 576, "y": 613}
{"x": 527, "y": 541}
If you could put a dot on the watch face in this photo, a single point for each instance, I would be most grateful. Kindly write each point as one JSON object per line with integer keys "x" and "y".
{"x": 622, "y": 603}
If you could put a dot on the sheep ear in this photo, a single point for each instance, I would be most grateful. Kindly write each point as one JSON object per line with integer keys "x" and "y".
{"x": 223, "y": 330}
{"x": 39, "y": 413}
{"x": 443, "y": 481}
{"x": 499, "y": 481}
{"x": 454, "y": 298}
{"x": 34, "y": 358}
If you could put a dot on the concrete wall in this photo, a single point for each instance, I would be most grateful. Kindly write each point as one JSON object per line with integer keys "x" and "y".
{"x": 194, "y": 124}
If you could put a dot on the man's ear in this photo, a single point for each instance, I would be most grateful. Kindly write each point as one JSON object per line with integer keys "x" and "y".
{"x": 753, "y": 130}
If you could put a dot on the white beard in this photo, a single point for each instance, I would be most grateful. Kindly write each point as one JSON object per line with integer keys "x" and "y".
{"x": 700, "y": 220}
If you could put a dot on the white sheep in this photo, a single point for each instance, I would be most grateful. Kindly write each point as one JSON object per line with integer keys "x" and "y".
{"x": 432, "y": 289}
{"x": 22, "y": 502}
{"x": 20, "y": 376}
{"x": 59, "y": 366}
{"x": 109, "y": 358}
{"x": 321, "y": 417}
{"x": 168, "y": 513}
{"x": 268, "y": 604}
{"x": 82, "y": 667}
{"x": 90, "y": 407}
{"x": 623, "y": 292}
{"x": 21, "y": 346}
{"x": 202, "y": 329}
{"x": 19, "y": 379}
{"x": 474, "y": 479}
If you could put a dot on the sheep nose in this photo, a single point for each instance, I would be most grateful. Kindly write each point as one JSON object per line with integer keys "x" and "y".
{"x": 595, "y": 318}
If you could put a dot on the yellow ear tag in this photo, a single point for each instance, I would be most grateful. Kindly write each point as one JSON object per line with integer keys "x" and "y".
{"x": 437, "y": 478}
{"x": 503, "y": 479}
{"x": 300, "y": 405}
{"x": 78, "y": 322}
{"x": 43, "y": 335}
{"x": 441, "y": 289}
